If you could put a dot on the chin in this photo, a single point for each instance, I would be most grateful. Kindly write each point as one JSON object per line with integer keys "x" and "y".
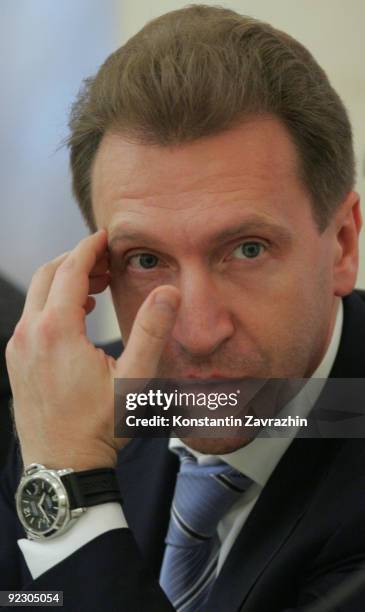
{"x": 216, "y": 446}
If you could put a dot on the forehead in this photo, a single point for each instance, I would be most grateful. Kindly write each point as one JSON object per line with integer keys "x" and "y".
{"x": 253, "y": 165}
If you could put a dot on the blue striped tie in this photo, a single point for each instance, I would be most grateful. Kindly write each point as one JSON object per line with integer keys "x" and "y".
{"x": 203, "y": 494}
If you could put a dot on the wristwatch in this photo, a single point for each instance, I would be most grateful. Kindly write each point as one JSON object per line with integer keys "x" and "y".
{"x": 49, "y": 502}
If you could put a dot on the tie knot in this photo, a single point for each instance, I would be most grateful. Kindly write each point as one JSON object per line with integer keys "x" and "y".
{"x": 203, "y": 494}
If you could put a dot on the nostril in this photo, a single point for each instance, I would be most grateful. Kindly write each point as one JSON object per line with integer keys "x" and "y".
{"x": 203, "y": 338}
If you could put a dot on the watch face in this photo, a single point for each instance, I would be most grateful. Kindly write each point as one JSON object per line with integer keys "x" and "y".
{"x": 39, "y": 505}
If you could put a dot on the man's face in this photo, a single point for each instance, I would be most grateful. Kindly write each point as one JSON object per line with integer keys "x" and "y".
{"x": 227, "y": 221}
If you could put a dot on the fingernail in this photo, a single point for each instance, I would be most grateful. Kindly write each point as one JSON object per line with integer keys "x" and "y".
{"x": 167, "y": 300}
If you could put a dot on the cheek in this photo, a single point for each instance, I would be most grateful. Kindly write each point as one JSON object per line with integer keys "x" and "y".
{"x": 126, "y": 304}
{"x": 272, "y": 310}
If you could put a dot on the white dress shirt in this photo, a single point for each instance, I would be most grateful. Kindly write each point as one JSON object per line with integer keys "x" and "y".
{"x": 256, "y": 460}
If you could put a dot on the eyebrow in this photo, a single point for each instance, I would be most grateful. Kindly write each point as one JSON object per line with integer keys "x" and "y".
{"x": 252, "y": 225}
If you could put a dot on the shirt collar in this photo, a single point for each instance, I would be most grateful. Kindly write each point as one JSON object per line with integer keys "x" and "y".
{"x": 258, "y": 459}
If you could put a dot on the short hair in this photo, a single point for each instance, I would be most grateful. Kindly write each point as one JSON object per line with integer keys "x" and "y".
{"x": 201, "y": 70}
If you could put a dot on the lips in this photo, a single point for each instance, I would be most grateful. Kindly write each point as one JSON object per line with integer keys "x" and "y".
{"x": 212, "y": 376}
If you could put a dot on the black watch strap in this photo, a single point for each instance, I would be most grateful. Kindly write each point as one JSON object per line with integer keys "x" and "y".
{"x": 91, "y": 487}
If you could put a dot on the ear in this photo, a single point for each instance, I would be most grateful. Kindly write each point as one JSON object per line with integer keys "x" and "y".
{"x": 347, "y": 224}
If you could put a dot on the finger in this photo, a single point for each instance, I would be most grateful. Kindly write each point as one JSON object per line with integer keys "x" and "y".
{"x": 42, "y": 280}
{"x": 98, "y": 284}
{"x": 40, "y": 285}
{"x": 151, "y": 329}
{"x": 101, "y": 266}
{"x": 90, "y": 305}
{"x": 70, "y": 286}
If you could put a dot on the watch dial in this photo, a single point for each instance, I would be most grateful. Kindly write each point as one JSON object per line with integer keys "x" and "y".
{"x": 39, "y": 504}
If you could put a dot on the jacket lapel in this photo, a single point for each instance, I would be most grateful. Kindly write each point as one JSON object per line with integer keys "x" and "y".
{"x": 282, "y": 504}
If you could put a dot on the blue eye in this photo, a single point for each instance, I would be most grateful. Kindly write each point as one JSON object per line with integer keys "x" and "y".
{"x": 144, "y": 260}
{"x": 248, "y": 250}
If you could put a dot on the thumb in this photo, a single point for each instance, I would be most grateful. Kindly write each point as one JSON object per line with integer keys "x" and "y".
{"x": 151, "y": 329}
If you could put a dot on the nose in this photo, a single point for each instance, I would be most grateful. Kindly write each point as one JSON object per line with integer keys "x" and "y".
{"x": 204, "y": 321}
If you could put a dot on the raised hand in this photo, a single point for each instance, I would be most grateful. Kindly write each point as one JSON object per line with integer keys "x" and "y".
{"x": 62, "y": 385}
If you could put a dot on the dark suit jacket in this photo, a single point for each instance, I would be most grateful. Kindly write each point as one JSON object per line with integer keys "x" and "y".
{"x": 304, "y": 536}
{"x": 11, "y": 306}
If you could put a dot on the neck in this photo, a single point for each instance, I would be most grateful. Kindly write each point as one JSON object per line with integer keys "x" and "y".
{"x": 316, "y": 366}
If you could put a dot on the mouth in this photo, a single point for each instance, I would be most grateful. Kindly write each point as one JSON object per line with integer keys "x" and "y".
{"x": 215, "y": 380}
{"x": 212, "y": 376}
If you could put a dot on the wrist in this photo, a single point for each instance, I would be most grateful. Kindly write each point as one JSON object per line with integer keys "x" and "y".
{"x": 79, "y": 461}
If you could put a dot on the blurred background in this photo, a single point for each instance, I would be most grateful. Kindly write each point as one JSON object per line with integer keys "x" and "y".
{"x": 48, "y": 48}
